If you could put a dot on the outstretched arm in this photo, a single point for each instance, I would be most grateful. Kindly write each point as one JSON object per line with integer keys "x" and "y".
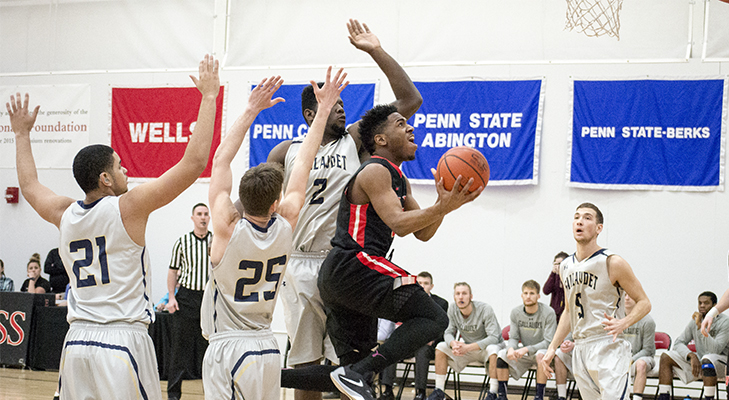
{"x": 136, "y": 205}
{"x": 407, "y": 97}
{"x": 326, "y": 96}
{"x": 44, "y": 201}
{"x": 563, "y": 328}
{"x": 224, "y": 213}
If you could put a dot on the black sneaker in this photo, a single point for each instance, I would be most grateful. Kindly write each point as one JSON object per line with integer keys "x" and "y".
{"x": 438, "y": 394}
{"x": 352, "y": 384}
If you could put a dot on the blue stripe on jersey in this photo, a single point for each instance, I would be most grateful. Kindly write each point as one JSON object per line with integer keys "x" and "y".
{"x": 215, "y": 308}
{"x": 112, "y": 347}
{"x": 88, "y": 206}
{"x": 144, "y": 283}
{"x": 625, "y": 389}
{"x": 258, "y": 228}
{"x": 240, "y": 361}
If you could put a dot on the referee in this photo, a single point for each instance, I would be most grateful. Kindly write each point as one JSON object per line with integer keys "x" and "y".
{"x": 190, "y": 257}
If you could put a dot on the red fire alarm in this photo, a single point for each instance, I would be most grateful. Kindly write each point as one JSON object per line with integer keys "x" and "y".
{"x": 12, "y": 194}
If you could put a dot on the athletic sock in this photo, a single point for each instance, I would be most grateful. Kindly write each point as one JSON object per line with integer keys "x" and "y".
{"x": 637, "y": 396}
{"x": 562, "y": 390}
{"x": 440, "y": 381}
{"x": 709, "y": 392}
{"x": 540, "y": 390}
{"x": 494, "y": 386}
{"x": 314, "y": 377}
{"x": 664, "y": 389}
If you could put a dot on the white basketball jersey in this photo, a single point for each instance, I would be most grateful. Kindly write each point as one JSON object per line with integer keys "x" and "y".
{"x": 108, "y": 272}
{"x": 334, "y": 164}
{"x": 242, "y": 289}
{"x": 590, "y": 294}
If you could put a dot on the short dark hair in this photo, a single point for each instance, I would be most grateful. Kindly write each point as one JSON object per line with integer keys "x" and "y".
{"x": 260, "y": 187}
{"x": 457, "y": 284}
{"x": 592, "y": 207}
{"x": 372, "y": 123}
{"x": 710, "y": 295}
{"x": 561, "y": 255}
{"x": 531, "y": 284}
{"x": 198, "y": 205}
{"x": 308, "y": 99}
{"x": 89, "y": 163}
{"x": 426, "y": 274}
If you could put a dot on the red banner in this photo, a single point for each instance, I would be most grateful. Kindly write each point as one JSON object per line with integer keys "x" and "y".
{"x": 150, "y": 127}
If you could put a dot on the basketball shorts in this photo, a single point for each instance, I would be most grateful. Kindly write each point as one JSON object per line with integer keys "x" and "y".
{"x": 517, "y": 368}
{"x": 458, "y": 363}
{"x": 242, "y": 365}
{"x": 601, "y": 368}
{"x": 566, "y": 358}
{"x": 304, "y": 310}
{"x": 650, "y": 363}
{"x": 683, "y": 371}
{"x": 108, "y": 361}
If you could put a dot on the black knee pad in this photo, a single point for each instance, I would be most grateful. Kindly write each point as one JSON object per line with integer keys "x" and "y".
{"x": 707, "y": 368}
{"x": 501, "y": 363}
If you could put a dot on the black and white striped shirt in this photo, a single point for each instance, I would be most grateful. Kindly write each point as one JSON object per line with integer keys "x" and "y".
{"x": 191, "y": 255}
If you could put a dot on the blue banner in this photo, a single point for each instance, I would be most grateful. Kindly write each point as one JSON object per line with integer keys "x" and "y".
{"x": 502, "y": 119}
{"x": 648, "y": 134}
{"x": 285, "y": 120}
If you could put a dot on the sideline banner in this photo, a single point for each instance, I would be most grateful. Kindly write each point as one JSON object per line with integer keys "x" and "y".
{"x": 648, "y": 134}
{"x": 150, "y": 127}
{"x": 502, "y": 119}
{"x": 61, "y": 128}
{"x": 285, "y": 121}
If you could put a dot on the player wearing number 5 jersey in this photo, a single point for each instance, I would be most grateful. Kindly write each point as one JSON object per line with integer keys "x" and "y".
{"x": 108, "y": 353}
{"x": 594, "y": 281}
{"x": 249, "y": 253}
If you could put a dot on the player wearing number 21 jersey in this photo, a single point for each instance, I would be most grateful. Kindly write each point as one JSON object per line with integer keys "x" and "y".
{"x": 108, "y": 353}
{"x": 595, "y": 281}
{"x": 250, "y": 252}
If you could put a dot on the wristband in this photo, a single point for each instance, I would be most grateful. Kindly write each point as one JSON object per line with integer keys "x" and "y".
{"x": 712, "y": 313}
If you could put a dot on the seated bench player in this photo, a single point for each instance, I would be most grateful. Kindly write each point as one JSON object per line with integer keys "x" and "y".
{"x": 533, "y": 325}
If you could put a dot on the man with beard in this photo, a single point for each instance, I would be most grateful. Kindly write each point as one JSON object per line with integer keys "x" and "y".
{"x": 304, "y": 312}
{"x": 481, "y": 339}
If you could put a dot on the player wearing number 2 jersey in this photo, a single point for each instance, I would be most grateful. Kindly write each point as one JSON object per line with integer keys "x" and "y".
{"x": 594, "y": 282}
{"x": 250, "y": 252}
{"x": 108, "y": 353}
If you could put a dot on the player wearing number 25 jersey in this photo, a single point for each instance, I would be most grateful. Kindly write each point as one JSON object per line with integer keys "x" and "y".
{"x": 249, "y": 254}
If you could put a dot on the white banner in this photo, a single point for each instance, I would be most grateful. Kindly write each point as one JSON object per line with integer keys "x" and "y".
{"x": 61, "y": 129}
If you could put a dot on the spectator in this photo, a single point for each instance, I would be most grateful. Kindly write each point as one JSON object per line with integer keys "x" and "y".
{"x": 35, "y": 282}
{"x": 642, "y": 338}
{"x": 57, "y": 275}
{"x": 6, "y": 284}
{"x": 554, "y": 285}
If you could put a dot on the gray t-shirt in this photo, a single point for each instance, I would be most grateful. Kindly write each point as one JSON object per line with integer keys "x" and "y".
{"x": 642, "y": 337}
{"x": 480, "y": 327}
{"x": 534, "y": 331}
{"x": 716, "y": 343}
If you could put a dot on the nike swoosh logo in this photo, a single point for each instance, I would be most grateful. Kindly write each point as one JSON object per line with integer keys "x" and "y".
{"x": 355, "y": 383}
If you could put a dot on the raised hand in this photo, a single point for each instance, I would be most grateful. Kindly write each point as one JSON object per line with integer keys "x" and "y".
{"x": 260, "y": 98}
{"x": 361, "y": 37}
{"x": 209, "y": 82}
{"x": 328, "y": 94}
{"x": 455, "y": 198}
{"x": 21, "y": 120}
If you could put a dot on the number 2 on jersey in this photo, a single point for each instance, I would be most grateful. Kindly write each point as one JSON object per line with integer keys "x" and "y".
{"x": 322, "y": 183}
{"x": 257, "y": 267}
{"x": 88, "y": 248}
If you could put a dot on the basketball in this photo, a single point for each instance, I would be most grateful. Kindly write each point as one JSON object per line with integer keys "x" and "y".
{"x": 464, "y": 161}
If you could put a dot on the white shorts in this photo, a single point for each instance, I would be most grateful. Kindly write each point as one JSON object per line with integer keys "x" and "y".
{"x": 108, "y": 361}
{"x": 517, "y": 368}
{"x": 650, "y": 363}
{"x": 304, "y": 310}
{"x": 683, "y": 371}
{"x": 242, "y": 365}
{"x": 458, "y": 363}
{"x": 566, "y": 358}
{"x": 601, "y": 368}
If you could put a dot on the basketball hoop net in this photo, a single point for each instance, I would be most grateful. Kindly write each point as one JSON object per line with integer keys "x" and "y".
{"x": 594, "y": 17}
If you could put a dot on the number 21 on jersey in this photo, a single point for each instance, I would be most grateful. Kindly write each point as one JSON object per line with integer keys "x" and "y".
{"x": 88, "y": 261}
